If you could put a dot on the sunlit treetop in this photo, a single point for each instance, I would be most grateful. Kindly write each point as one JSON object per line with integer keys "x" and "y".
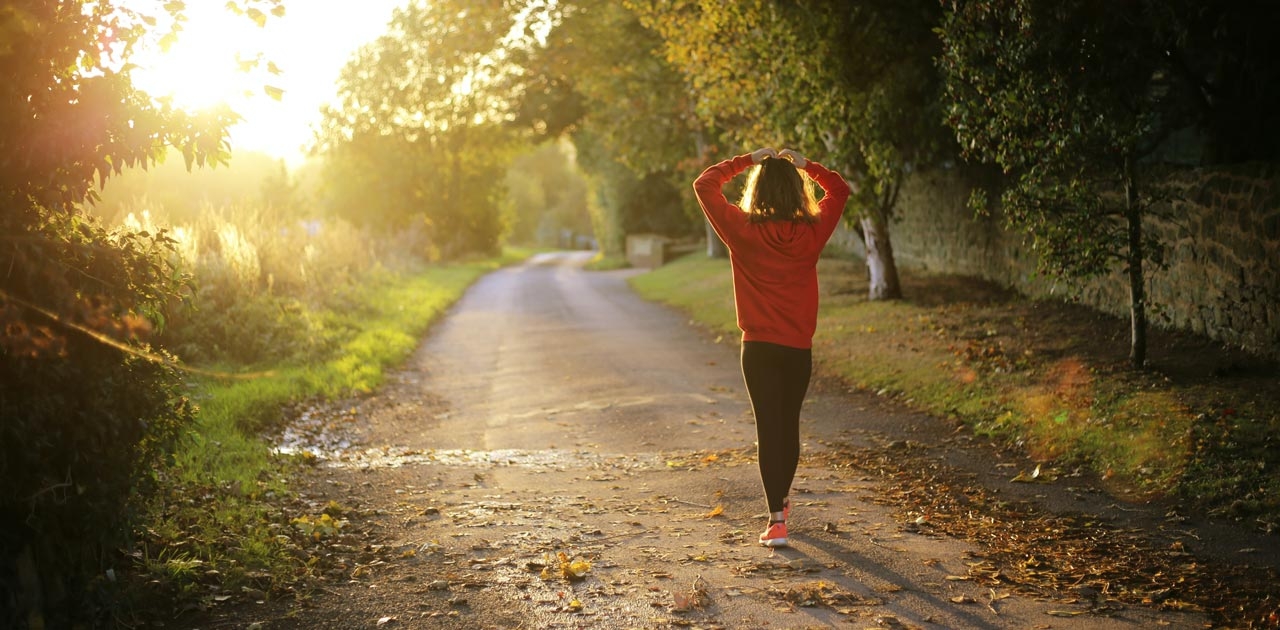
{"x": 72, "y": 113}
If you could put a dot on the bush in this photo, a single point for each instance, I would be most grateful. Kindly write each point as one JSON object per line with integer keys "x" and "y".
{"x": 86, "y": 408}
{"x": 260, "y": 278}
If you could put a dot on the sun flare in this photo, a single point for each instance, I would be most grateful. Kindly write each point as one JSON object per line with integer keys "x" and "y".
{"x": 202, "y": 67}
{"x": 276, "y": 76}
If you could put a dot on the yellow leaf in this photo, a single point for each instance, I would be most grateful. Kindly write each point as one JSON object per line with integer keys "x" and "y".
{"x": 716, "y": 511}
{"x": 579, "y": 568}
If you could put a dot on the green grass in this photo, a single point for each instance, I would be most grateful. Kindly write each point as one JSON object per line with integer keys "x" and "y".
{"x": 699, "y": 286}
{"x": 600, "y": 262}
{"x": 1000, "y": 366}
{"x": 215, "y": 507}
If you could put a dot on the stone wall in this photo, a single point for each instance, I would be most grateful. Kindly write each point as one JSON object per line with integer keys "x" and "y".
{"x": 1223, "y": 239}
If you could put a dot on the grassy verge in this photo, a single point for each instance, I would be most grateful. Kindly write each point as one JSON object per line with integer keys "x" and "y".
{"x": 1047, "y": 378}
{"x": 219, "y": 525}
{"x": 600, "y": 262}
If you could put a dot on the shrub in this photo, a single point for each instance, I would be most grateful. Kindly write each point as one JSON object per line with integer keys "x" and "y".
{"x": 259, "y": 279}
{"x": 86, "y": 407}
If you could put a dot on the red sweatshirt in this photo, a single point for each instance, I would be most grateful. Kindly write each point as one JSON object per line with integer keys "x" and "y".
{"x": 775, "y": 273}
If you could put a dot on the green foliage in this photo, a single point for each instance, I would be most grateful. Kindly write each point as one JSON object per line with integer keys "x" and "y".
{"x": 83, "y": 419}
{"x": 259, "y": 278}
{"x": 418, "y": 136}
{"x": 627, "y": 202}
{"x": 72, "y": 117}
{"x": 547, "y": 194}
{"x": 850, "y": 84}
{"x": 636, "y": 104}
{"x": 1058, "y": 98}
{"x": 87, "y": 405}
{"x": 1068, "y": 98}
{"x": 635, "y": 130}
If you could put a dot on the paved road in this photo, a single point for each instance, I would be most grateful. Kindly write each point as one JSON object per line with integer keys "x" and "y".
{"x": 553, "y": 411}
{"x": 545, "y": 354}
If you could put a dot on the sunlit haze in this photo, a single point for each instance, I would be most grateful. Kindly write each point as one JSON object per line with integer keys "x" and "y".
{"x": 309, "y": 45}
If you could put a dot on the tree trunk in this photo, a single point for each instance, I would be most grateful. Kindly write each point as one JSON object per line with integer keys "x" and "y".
{"x": 715, "y": 247}
{"x": 1137, "y": 284}
{"x": 882, "y": 269}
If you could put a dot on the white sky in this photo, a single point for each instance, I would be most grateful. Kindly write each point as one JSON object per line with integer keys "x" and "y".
{"x": 310, "y": 44}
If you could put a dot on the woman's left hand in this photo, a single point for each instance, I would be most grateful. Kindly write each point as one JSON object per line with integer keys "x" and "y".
{"x": 759, "y": 155}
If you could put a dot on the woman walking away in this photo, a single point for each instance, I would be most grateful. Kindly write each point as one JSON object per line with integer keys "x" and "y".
{"x": 774, "y": 239}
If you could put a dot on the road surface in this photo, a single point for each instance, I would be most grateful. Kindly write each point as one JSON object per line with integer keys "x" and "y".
{"x": 552, "y": 411}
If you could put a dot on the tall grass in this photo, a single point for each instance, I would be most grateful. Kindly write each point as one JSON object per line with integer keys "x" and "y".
{"x": 263, "y": 283}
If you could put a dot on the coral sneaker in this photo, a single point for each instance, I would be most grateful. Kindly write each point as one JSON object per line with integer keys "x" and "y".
{"x": 775, "y": 535}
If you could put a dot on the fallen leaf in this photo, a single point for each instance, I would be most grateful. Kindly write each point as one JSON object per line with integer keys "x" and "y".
{"x": 716, "y": 511}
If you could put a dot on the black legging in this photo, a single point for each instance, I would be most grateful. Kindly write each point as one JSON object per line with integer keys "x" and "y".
{"x": 777, "y": 378}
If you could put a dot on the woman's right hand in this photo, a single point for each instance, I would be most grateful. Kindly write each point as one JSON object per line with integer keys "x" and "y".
{"x": 759, "y": 155}
{"x": 796, "y": 158}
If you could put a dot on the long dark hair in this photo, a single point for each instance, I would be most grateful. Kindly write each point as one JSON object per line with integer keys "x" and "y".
{"x": 777, "y": 191}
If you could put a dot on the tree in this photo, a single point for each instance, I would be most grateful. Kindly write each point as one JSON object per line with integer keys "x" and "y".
{"x": 422, "y": 124}
{"x": 1068, "y": 98}
{"x": 600, "y": 77}
{"x": 547, "y": 194}
{"x": 851, "y": 83}
{"x": 86, "y": 406}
